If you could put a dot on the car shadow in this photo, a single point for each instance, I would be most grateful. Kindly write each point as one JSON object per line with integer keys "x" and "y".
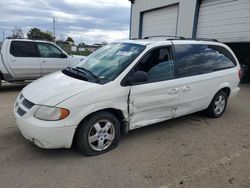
{"x": 195, "y": 119}
{"x": 25, "y": 146}
{"x": 9, "y": 87}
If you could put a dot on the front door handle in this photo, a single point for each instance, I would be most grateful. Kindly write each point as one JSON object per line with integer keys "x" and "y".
{"x": 44, "y": 61}
{"x": 173, "y": 91}
{"x": 13, "y": 60}
{"x": 186, "y": 88}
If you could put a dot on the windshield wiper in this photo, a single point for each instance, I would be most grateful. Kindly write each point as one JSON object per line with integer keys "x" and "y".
{"x": 77, "y": 70}
{"x": 78, "y": 74}
{"x": 89, "y": 72}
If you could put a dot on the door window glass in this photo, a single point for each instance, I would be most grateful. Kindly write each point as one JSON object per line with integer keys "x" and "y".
{"x": 199, "y": 59}
{"x": 49, "y": 51}
{"x": 158, "y": 65}
{"x": 23, "y": 49}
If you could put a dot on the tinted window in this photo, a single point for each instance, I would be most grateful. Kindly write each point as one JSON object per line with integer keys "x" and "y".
{"x": 23, "y": 49}
{"x": 158, "y": 65}
{"x": 228, "y": 59}
{"x": 200, "y": 59}
{"x": 49, "y": 50}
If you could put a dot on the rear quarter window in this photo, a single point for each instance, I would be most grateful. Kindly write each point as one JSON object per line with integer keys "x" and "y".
{"x": 195, "y": 59}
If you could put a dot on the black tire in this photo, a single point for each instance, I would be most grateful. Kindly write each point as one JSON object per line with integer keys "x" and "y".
{"x": 87, "y": 129}
{"x": 211, "y": 110}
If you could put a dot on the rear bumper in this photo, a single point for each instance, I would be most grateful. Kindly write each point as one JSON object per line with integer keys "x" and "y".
{"x": 234, "y": 92}
{"x": 46, "y": 137}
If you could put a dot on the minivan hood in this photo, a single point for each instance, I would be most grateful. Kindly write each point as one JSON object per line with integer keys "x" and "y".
{"x": 55, "y": 88}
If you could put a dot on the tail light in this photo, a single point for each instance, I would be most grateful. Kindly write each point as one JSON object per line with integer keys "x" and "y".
{"x": 240, "y": 74}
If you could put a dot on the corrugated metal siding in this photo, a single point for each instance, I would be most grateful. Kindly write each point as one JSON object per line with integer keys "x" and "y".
{"x": 160, "y": 21}
{"x": 185, "y": 16}
{"x": 226, "y": 20}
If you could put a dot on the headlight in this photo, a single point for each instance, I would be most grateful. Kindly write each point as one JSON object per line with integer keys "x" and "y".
{"x": 51, "y": 113}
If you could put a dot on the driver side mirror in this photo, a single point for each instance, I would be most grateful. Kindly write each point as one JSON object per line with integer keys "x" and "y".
{"x": 138, "y": 76}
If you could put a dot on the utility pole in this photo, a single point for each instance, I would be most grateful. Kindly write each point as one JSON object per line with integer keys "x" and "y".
{"x": 54, "y": 29}
{"x": 3, "y": 36}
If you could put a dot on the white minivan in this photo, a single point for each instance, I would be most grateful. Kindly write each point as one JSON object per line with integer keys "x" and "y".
{"x": 123, "y": 86}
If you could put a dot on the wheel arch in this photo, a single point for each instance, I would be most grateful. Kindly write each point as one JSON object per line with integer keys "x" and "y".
{"x": 227, "y": 90}
{"x": 124, "y": 128}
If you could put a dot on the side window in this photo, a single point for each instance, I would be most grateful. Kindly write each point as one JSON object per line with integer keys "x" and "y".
{"x": 223, "y": 58}
{"x": 49, "y": 50}
{"x": 23, "y": 49}
{"x": 158, "y": 65}
{"x": 199, "y": 59}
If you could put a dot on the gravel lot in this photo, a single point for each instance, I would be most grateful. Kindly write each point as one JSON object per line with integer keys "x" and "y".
{"x": 192, "y": 151}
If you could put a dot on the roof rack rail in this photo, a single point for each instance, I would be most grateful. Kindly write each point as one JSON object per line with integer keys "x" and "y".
{"x": 205, "y": 39}
{"x": 173, "y": 36}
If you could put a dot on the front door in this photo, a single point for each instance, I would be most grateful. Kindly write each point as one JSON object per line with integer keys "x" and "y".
{"x": 156, "y": 99}
{"x": 52, "y": 58}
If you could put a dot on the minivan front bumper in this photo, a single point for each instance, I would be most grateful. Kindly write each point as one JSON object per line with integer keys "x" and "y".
{"x": 46, "y": 137}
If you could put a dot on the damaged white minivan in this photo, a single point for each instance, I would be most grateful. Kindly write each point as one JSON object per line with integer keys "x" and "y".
{"x": 123, "y": 86}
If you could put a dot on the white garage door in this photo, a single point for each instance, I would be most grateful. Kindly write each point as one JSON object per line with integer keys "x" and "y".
{"x": 226, "y": 20}
{"x": 160, "y": 22}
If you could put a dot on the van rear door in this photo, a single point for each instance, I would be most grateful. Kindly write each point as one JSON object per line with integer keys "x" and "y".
{"x": 200, "y": 71}
{"x": 23, "y": 59}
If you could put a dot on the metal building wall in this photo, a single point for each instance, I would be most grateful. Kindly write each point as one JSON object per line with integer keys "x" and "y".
{"x": 186, "y": 15}
{"x": 226, "y": 20}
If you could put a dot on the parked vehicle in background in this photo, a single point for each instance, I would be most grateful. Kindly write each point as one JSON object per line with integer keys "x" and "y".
{"x": 23, "y": 59}
{"x": 124, "y": 86}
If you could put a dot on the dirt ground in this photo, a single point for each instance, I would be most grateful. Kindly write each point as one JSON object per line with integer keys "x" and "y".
{"x": 191, "y": 151}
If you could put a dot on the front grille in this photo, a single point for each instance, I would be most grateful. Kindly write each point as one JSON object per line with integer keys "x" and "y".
{"x": 20, "y": 111}
{"x": 27, "y": 104}
{"x": 23, "y": 105}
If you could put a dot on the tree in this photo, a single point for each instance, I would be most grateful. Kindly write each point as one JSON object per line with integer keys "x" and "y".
{"x": 81, "y": 45}
{"x": 37, "y": 34}
{"x": 69, "y": 40}
{"x": 17, "y": 33}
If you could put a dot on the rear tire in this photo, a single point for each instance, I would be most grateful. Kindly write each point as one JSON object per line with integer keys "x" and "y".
{"x": 98, "y": 134}
{"x": 218, "y": 105}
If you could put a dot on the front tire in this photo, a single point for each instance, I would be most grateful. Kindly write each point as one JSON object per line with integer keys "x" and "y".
{"x": 98, "y": 134}
{"x": 218, "y": 105}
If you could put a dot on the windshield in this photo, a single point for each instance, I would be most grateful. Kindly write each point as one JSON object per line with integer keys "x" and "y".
{"x": 108, "y": 62}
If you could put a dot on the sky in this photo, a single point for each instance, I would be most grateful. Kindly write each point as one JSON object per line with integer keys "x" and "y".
{"x": 89, "y": 21}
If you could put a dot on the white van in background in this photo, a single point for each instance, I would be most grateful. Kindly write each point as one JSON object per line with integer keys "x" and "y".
{"x": 23, "y": 59}
{"x": 123, "y": 86}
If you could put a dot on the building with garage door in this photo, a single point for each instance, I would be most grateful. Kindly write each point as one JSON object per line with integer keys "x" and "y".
{"x": 225, "y": 20}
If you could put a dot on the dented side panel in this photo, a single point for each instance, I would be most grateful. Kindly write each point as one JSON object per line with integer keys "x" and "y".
{"x": 152, "y": 103}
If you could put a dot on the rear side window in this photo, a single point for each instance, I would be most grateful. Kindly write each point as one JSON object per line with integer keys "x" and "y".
{"x": 23, "y": 49}
{"x": 200, "y": 59}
